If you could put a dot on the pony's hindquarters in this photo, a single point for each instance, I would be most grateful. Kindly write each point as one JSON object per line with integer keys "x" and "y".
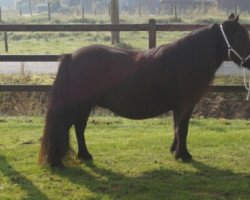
{"x": 55, "y": 141}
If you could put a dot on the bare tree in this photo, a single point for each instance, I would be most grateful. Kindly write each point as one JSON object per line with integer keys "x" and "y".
{"x": 115, "y": 20}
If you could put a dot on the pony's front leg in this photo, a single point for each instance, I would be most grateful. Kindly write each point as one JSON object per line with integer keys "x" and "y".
{"x": 179, "y": 145}
{"x": 83, "y": 153}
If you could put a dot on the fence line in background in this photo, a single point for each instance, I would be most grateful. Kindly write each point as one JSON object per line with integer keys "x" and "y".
{"x": 151, "y": 28}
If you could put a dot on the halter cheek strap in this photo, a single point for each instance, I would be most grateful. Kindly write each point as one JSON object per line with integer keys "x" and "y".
{"x": 246, "y": 84}
{"x": 242, "y": 61}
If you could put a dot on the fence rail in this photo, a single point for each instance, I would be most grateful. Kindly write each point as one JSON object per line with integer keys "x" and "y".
{"x": 151, "y": 28}
{"x": 47, "y": 88}
{"x": 101, "y": 27}
{"x": 29, "y": 58}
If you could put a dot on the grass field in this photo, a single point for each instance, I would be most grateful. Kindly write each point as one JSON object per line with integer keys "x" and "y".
{"x": 131, "y": 161}
{"x": 63, "y": 42}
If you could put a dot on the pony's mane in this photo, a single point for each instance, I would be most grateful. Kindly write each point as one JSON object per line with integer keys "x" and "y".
{"x": 194, "y": 38}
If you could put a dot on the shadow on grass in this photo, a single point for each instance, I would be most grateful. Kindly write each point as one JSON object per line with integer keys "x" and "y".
{"x": 203, "y": 182}
{"x": 32, "y": 192}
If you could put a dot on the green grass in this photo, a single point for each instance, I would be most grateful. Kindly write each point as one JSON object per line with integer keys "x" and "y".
{"x": 54, "y": 43}
{"x": 131, "y": 161}
{"x": 63, "y": 42}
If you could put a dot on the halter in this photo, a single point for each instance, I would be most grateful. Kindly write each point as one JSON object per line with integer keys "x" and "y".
{"x": 242, "y": 61}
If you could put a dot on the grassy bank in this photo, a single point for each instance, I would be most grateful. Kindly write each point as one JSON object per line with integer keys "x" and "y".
{"x": 212, "y": 105}
{"x": 131, "y": 161}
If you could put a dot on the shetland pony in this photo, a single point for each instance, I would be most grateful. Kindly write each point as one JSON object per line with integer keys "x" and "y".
{"x": 137, "y": 85}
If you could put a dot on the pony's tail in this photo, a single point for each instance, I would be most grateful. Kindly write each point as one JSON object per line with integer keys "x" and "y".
{"x": 55, "y": 140}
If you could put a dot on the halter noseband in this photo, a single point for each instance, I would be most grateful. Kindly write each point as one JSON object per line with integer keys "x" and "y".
{"x": 242, "y": 60}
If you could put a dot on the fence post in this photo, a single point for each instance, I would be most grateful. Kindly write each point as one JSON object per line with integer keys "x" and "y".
{"x": 5, "y": 34}
{"x": 171, "y": 10}
{"x": 175, "y": 12}
{"x": 49, "y": 11}
{"x": 30, "y": 8}
{"x": 21, "y": 13}
{"x": 82, "y": 12}
{"x": 109, "y": 7}
{"x": 77, "y": 11}
{"x": 205, "y": 10}
{"x": 194, "y": 6}
{"x": 115, "y": 35}
{"x": 152, "y": 33}
{"x": 139, "y": 8}
{"x": 6, "y": 42}
{"x": 95, "y": 9}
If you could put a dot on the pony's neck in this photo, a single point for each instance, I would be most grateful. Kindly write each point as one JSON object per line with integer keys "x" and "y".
{"x": 218, "y": 45}
{"x": 221, "y": 47}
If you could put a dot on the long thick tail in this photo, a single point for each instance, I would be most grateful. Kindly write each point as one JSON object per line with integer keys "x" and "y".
{"x": 55, "y": 141}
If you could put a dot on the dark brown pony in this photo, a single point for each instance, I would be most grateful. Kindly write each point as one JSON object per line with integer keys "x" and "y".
{"x": 136, "y": 85}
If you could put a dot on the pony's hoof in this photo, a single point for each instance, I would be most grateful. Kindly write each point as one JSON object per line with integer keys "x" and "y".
{"x": 87, "y": 157}
{"x": 187, "y": 159}
{"x": 57, "y": 165}
{"x": 172, "y": 148}
{"x": 184, "y": 156}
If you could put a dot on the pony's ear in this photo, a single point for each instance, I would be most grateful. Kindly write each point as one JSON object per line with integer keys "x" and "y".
{"x": 231, "y": 16}
{"x": 237, "y": 18}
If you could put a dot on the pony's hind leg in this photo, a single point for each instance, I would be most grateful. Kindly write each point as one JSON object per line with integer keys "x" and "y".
{"x": 179, "y": 146}
{"x": 175, "y": 141}
{"x": 80, "y": 125}
{"x": 174, "y": 144}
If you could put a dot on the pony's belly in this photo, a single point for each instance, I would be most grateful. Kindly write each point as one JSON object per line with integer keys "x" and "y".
{"x": 134, "y": 110}
{"x": 137, "y": 99}
{"x": 140, "y": 115}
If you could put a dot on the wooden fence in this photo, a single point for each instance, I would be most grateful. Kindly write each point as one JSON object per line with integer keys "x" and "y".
{"x": 151, "y": 28}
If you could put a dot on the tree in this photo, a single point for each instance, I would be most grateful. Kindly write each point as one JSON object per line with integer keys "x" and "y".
{"x": 55, "y": 5}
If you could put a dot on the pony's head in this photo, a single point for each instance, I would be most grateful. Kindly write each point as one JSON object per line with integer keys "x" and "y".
{"x": 236, "y": 40}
